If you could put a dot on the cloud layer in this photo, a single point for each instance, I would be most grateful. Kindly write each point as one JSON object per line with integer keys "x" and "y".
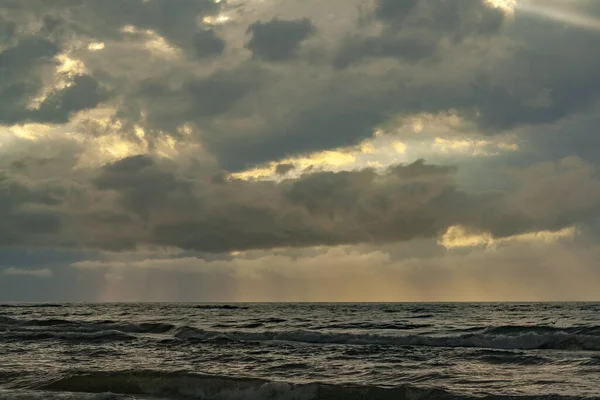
{"x": 212, "y": 130}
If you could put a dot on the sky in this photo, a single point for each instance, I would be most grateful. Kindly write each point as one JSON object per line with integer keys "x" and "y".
{"x": 299, "y": 150}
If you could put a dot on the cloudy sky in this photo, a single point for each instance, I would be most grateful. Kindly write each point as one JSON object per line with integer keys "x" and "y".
{"x": 299, "y": 150}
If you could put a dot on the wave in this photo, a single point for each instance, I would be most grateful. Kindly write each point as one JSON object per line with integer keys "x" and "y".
{"x": 209, "y": 387}
{"x": 49, "y": 322}
{"x": 499, "y": 357}
{"x": 251, "y": 324}
{"x": 8, "y": 320}
{"x": 37, "y": 395}
{"x": 521, "y": 329}
{"x": 375, "y": 326}
{"x": 220, "y": 307}
{"x": 593, "y": 361}
{"x": 524, "y": 341}
{"x": 100, "y": 336}
{"x": 272, "y": 320}
{"x": 33, "y": 305}
{"x": 498, "y": 337}
{"x": 420, "y": 316}
{"x": 62, "y": 325}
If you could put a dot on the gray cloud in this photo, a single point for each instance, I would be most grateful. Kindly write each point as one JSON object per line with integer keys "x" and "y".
{"x": 530, "y": 77}
{"x": 322, "y": 208}
{"x": 207, "y": 43}
{"x": 7, "y": 29}
{"x": 20, "y": 78}
{"x": 408, "y": 48}
{"x": 139, "y": 201}
{"x": 174, "y": 19}
{"x": 193, "y": 99}
{"x": 429, "y": 56}
{"x": 146, "y": 201}
{"x": 27, "y": 212}
{"x": 36, "y": 273}
{"x": 83, "y": 94}
{"x": 278, "y": 40}
{"x": 414, "y": 29}
{"x": 390, "y": 10}
{"x": 21, "y": 69}
{"x": 283, "y": 169}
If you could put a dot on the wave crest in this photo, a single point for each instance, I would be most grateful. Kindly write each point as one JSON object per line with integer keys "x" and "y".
{"x": 524, "y": 341}
{"x": 209, "y": 387}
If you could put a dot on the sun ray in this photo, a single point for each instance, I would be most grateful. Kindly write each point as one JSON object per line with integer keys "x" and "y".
{"x": 558, "y": 14}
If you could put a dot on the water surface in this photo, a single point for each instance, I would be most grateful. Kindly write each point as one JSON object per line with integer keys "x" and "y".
{"x": 299, "y": 351}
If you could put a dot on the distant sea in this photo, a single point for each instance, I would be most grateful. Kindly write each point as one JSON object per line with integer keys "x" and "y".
{"x": 300, "y": 351}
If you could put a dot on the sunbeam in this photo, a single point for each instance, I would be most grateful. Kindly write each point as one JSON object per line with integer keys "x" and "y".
{"x": 559, "y": 14}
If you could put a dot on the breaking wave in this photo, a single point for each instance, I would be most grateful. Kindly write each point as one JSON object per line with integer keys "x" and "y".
{"x": 527, "y": 340}
{"x": 209, "y": 387}
{"x": 499, "y": 337}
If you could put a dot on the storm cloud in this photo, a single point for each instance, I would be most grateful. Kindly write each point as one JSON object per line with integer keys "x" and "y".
{"x": 214, "y": 130}
{"x": 278, "y": 40}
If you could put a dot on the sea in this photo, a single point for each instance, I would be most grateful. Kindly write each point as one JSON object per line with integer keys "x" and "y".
{"x": 300, "y": 351}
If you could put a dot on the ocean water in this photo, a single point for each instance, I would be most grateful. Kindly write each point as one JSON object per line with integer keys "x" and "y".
{"x": 300, "y": 351}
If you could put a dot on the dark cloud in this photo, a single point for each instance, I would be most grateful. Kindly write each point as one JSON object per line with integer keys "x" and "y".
{"x": 534, "y": 81}
{"x": 84, "y": 93}
{"x": 20, "y": 78}
{"x": 541, "y": 84}
{"x": 445, "y": 55}
{"x": 139, "y": 201}
{"x": 157, "y": 206}
{"x": 283, "y": 169}
{"x": 322, "y": 208}
{"x": 414, "y": 29}
{"x": 7, "y": 29}
{"x": 176, "y": 20}
{"x": 207, "y": 43}
{"x": 27, "y": 213}
{"x": 412, "y": 57}
{"x": 193, "y": 99}
{"x": 332, "y": 121}
{"x": 414, "y": 48}
{"x": 391, "y": 10}
{"x": 278, "y": 40}
{"x": 27, "y": 61}
{"x": 143, "y": 185}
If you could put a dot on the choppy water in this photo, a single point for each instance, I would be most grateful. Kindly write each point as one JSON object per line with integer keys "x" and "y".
{"x": 299, "y": 351}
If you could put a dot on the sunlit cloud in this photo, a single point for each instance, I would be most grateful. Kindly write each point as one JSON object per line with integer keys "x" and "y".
{"x": 216, "y": 20}
{"x": 474, "y": 147}
{"x": 31, "y": 132}
{"x": 157, "y": 45}
{"x": 507, "y": 5}
{"x": 459, "y": 236}
{"x": 379, "y": 153}
{"x": 404, "y": 140}
{"x": 95, "y": 46}
{"x": 67, "y": 69}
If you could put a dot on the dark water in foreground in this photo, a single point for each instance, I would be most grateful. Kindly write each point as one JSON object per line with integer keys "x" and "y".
{"x": 300, "y": 351}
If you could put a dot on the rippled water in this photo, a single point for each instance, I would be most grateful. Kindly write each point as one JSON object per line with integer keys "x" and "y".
{"x": 299, "y": 351}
